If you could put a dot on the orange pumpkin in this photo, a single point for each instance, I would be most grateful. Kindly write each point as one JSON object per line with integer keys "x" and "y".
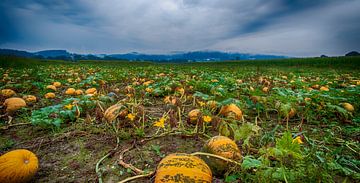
{"x": 181, "y": 167}
{"x": 194, "y": 115}
{"x": 221, "y": 146}
{"x": 92, "y": 91}
{"x": 50, "y": 95}
{"x": 231, "y": 111}
{"x": 8, "y": 93}
{"x": 18, "y": 166}
{"x": 29, "y": 98}
{"x": 79, "y": 92}
{"x": 14, "y": 103}
{"x": 70, "y": 91}
{"x": 51, "y": 87}
{"x": 324, "y": 88}
{"x": 57, "y": 84}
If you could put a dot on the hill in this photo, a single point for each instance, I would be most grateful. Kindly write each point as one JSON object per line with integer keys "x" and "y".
{"x": 196, "y": 56}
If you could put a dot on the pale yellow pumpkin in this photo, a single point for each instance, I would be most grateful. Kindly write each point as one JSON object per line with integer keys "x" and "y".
{"x": 114, "y": 111}
{"x": 348, "y": 107}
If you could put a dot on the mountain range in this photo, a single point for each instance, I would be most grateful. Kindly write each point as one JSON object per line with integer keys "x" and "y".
{"x": 135, "y": 56}
{"x": 195, "y": 56}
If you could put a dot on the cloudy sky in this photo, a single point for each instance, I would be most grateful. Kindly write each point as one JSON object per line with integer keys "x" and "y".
{"x": 285, "y": 27}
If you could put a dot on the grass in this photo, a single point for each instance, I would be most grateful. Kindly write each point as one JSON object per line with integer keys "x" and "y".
{"x": 68, "y": 152}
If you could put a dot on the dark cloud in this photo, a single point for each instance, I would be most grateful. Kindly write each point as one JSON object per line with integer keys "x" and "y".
{"x": 8, "y": 30}
{"x": 160, "y": 26}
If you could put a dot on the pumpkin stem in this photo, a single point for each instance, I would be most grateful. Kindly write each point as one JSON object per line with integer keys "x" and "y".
{"x": 136, "y": 177}
{"x": 126, "y": 165}
{"x": 216, "y": 156}
{"x": 97, "y": 169}
{"x": 12, "y": 125}
{"x": 181, "y": 125}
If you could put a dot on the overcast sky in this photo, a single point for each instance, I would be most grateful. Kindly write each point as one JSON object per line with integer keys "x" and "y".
{"x": 284, "y": 27}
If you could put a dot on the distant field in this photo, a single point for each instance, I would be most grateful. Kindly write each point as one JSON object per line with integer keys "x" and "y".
{"x": 293, "y": 120}
{"x": 330, "y": 62}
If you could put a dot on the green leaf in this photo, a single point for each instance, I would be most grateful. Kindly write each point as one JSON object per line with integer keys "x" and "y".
{"x": 232, "y": 178}
{"x": 249, "y": 162}
{"x": 246, "y": 132}
{"x": 287, "y": 147}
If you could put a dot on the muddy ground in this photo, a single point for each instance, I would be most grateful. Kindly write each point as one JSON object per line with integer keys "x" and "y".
{"x": 71, "y": 154}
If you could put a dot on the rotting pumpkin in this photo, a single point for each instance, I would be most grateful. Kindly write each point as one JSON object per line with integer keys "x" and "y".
{"x": 18, "y": 166}
{"x": 181, "y": 167}
{"x": 114, "y": 111}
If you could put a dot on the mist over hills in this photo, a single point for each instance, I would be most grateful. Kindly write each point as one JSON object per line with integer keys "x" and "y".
{"x": 135, "y": 56}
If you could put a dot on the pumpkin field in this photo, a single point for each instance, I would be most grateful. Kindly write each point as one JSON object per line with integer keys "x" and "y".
{"x": 289, "y": 120}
